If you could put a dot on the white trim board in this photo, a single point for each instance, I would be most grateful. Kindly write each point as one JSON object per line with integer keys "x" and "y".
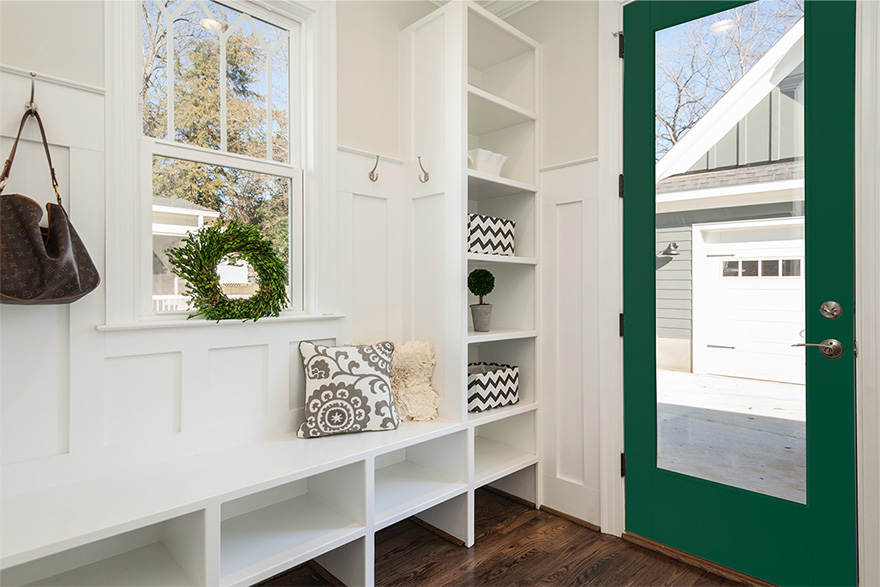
{"x": 868, "y": 288}
{"x": 60, "y": 81}
{"x": 787, "y": 190}
{"x": 611, "y": 488}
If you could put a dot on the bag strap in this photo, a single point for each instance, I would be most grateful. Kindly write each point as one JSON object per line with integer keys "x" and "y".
{"x": 5, "y": 175}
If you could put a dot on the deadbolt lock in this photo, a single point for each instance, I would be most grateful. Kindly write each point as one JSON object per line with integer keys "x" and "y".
{"x": 831, "y": 310}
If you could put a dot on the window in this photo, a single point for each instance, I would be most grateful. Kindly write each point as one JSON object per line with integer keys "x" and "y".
{"x": 768, "y": 268}
{"x": 221, "y": 136}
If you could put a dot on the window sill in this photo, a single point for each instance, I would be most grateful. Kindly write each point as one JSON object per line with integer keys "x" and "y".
{"x": 202, "y": 323}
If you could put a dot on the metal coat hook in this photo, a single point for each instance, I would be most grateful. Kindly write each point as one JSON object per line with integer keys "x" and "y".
{"x": 30, "y": 105}
{"x": 427, "y": 175}
{"x": 373, "y": 175}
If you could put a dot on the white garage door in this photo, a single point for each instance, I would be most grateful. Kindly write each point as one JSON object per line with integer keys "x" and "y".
{"x": 748, "y": 290}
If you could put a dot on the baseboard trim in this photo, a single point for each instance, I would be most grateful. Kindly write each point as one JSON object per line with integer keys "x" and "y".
{"x": 509, "y": 496}
{"x": 434, "y": 529}
{"x": 695, "y": 561}
{"x": 325, "y": 574}
{"x": 571, "y": 518}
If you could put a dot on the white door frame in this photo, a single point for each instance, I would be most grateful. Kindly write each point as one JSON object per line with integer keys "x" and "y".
{"x": 867, "y": 269}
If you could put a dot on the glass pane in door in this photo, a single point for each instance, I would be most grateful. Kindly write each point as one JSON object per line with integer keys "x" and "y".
{"x": 729, "y": 121}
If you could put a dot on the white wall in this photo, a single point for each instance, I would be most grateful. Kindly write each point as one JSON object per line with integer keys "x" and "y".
{"x": 368, "y": 71}
{"x": 569, "y": 88}
{"x": 60, "y": 38}
{"x": 77, "y": 401}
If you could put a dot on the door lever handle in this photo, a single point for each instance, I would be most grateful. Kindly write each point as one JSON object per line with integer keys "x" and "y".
{"x": 830, "y": 348}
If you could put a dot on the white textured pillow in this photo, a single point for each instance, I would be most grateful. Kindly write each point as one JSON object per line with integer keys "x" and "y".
{"x": 411, "y": 369}
{"x": 347, "y": 389}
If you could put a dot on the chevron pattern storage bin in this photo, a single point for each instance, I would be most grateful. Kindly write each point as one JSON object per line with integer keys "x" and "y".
{"x": 492, "y": 385}
{"x": 490, "y": 235}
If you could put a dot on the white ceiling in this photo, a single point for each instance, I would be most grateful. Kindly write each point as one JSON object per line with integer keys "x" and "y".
{"x": 500, "y": 8}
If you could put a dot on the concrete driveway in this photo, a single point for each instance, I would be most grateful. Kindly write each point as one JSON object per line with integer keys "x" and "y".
{"x": 740, "y": 432}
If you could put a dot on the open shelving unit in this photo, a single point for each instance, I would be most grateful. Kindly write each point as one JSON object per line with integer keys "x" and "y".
{"x": 504, "y": 446}
{"x": 511, "y": 259}
{"x": 418, "y": 477}
{"x": 503, "y": 117}
{"x": 483, "y": 186}
{"x": 166, "y": 554}
{"x": 147, "y": 565}
{"x": 497, "y": 334}
{"x": 241, "y": 514}
{"x": 489, "y": 114}
{"x": 447, "y": 110}
{"x": 264, "y": 533}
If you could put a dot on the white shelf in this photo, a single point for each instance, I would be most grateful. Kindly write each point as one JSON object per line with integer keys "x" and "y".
{"x": 488, "y": 113}
{"x": 491, "y": 42}
{"x": 258, "y": 544}
{"x": 405, "y": 488}
{"x": 501, "y": 413}
{"x": 128, "y": 500}
{"x": 500, "y": 334}
{"x": 485, "y": 186}
{"x": 509, "y": 259}
{"x": 149, "y": 565}
{"x": 493, "y": 460}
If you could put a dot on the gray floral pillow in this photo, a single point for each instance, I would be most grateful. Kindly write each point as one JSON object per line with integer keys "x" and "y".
{"x": 347, "y": 389}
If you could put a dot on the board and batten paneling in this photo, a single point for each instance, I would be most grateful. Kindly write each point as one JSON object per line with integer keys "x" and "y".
{"x": 570, "y": 392}
{"x": 78, "y": 401}
{"x": 771, "y": 131}
{"x": 370, "y": 229}
{"x": 137, "y": 408}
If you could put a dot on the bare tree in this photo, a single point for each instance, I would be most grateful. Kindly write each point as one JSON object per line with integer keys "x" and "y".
{"x": 699, "y": 61}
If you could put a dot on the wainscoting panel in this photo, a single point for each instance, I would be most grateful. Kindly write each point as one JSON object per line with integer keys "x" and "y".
{"x": 370, "y": 228}
{"x": 569, "y": 356}
{"x": 145, "y": 406}
{"x": 569, "y": 381}
{"x": 236, "y": 385}
{"x": 34, "y": 379}
{"x": 79, "y": 401}
{"x": 369, "y": 309}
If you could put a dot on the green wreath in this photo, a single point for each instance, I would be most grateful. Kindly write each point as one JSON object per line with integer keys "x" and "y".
{"x": 196, "y": 260}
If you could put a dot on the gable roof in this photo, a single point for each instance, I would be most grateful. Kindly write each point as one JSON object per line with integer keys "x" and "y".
{"x": 181, "y": 204}
{"x": 774, "y": 171}
{"x": 782, "y": 58}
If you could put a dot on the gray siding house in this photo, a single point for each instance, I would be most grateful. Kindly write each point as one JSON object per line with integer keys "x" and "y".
{"x": 726, "y": 184}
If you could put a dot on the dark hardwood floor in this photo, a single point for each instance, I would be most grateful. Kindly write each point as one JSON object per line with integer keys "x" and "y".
{"x": 515, "y": 545}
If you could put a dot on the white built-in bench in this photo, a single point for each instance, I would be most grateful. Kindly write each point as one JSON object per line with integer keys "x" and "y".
{"x": 242, "y": 514}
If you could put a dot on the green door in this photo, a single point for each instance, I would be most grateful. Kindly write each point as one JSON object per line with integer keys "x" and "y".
{"x": 738, "y": 236}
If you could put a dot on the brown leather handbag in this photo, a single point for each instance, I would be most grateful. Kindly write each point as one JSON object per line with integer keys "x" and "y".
{"x": 40, "y": 265}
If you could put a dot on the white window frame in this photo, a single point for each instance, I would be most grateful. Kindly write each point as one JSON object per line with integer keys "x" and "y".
{"x": 311, "y": 162}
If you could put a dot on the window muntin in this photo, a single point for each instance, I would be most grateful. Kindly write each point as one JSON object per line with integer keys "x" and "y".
{"x": 221, "y": 148}
{"x": 768, "y": 268}
{"x": 241, "y": 107}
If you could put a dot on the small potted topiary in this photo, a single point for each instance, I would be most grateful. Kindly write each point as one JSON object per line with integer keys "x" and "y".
{"x": 481, "y": 282}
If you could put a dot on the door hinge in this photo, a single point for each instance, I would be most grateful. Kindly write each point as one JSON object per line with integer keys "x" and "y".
{"x": 620, "y": 185}
{"x": 621, "y": 324}
{"x": 623, "y": 464}
{"x": 619, "y": 35}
